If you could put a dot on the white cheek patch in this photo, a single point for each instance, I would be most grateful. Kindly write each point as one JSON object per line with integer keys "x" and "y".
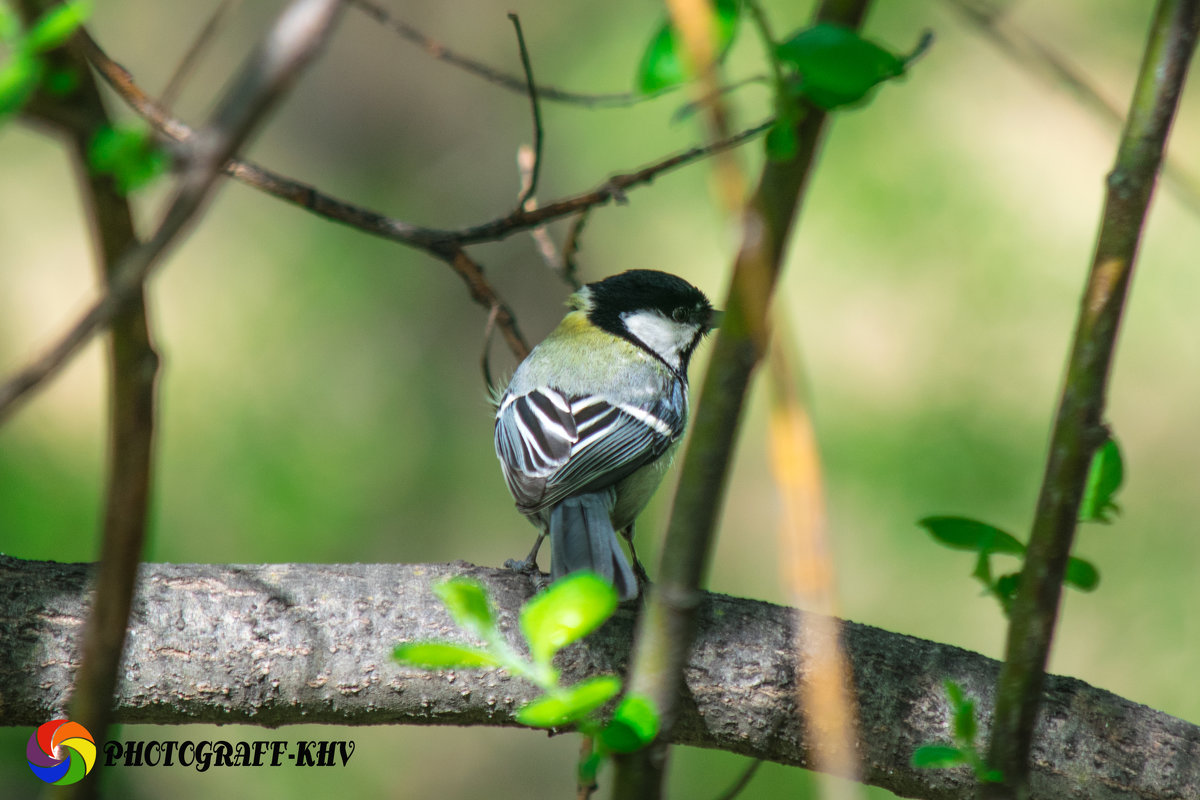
{"x": 663, "y": 336}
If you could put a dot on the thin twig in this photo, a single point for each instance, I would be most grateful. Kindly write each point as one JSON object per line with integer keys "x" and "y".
{"x": 291, "y": 43}
{"x": 1078, "y": 427}
{"x": 445, "y": 245}
{"x": 570, "y": 269}
{"x": 742, "y": 782}
{"x": 535, "y": 110}
{"x": 541, "y": 234}
{"x": 511, "y": 82}
{"x": 485, "y": 360}
{"x": 1035, "y": 56}
{"x": 192, "y": 57}
{"x": 381, "y": 225}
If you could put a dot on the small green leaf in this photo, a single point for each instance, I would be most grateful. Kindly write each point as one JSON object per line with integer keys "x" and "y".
{"x": 662, "y": 65}
{"x": 835, "y": 66}
{"x": 1006, "y": 587}
{"x": 60, "y": 82}
{"x": 938, "y": 756}
{"x": 570, "y": 609}
{"x": 442, "y": 655}
{"x": 991, "y": 776}
{"x": 10, "y": 26}
{"x": 575, "y": 703}
{"x": 467, "y": 602}
{"x": 589, "y": 767}
{"x": 19, "y": 78}
{"x": 962, "y": 533}
{"x": 129, "y": 154}
{"x": 1105, "y": 476}
{"x": 954, "y": 693}
{"x": 1081, "y": 574}
{"x": 633, "y": 726}
{"x": 964, "y": 722}
{"x": 782, "y": 141}
{"x": 57, "y": 25}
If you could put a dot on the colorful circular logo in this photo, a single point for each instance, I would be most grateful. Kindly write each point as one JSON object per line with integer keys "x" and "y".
{"x": 61, "y": 752}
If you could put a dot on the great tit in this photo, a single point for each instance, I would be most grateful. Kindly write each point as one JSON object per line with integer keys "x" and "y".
{"x": 590, "y": 421}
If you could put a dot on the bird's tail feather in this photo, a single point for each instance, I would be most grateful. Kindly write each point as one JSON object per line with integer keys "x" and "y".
{"x": 582, "y": 537}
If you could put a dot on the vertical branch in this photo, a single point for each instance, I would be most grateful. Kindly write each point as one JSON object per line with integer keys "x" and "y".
{"x": 666, "y": 625}
{"x": 132, "y": 369}
{"x": 291, "y": 43}
{"x": 1078, "y": 428}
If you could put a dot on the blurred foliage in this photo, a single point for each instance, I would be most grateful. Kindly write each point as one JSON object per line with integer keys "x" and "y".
{"x": 23, "y": 63}
{"x": 321, "y": 398}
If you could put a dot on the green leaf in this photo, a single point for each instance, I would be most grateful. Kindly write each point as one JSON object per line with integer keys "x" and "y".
{"x": 1081, "y": 574}
{"x": 129, "y": 154}
{"x": 938, "y": 756}
{"x": 570, "y": 609}
{"x": 1105, "y": 476}
{"x": 442, "y": 655}
{"x": 835, "y": 66}
{"x": 962, "y": 533}
{"x": 1006, "y": 587}
{"x": 782, "y": 141}
{"x": 467, "y": 602}
{"x": 588, "y": 768}
{"x": 954, "y": 694}
{"x": 19, "y": 79}
{"x": 575, "y": 703}
{"x": 662, "y": 65}
{"x": 10, "y": 26}
{"x": 990, "y": 776}
{"x": 964, "y": 722}
{"x": 57, "y": 25}
{"x": 61, "y": 82}
{"x": 633, "y": 726}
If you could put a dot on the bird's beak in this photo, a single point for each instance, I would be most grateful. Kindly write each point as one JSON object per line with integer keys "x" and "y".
{"x": 714, "y": 319}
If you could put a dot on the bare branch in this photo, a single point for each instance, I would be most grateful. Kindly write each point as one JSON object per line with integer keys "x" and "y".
{"x": 531, "y": 186}
{"x": 190, "y": 58}
{"x": 477, "y": 68}
{"x": 279, "y": 644}
{"x": 132, "y": 368}
{"x": 292, "y": 42}
{"x": 1078, "y": 427}
{"x": 1032, "y": 54}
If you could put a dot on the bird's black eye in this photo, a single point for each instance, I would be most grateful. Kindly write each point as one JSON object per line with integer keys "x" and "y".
{"x": 680, "y": 314}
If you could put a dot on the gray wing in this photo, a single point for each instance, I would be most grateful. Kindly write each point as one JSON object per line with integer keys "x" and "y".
{"x": 552, "y": 446}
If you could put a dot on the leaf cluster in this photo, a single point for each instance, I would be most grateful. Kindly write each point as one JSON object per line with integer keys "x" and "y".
{"x": 962, "y": 533}
{"x": 26, "y": 67}
{"x": 826, "y": 65}
{"x": 569, "y": 610}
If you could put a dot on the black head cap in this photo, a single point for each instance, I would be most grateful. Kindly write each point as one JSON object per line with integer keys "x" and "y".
{"x": 647, "y": 289}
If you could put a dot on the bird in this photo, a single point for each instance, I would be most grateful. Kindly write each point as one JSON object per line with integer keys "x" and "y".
{"x": 590, "y": 421}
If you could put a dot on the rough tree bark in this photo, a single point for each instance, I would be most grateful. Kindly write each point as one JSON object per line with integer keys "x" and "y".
{"x": 291, "y": 643}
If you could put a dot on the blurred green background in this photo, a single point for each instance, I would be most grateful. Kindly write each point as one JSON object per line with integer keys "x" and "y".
{"x": 321, "y": 397}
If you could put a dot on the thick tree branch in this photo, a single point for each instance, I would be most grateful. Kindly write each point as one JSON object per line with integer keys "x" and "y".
{"x": 310, "y": 643}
